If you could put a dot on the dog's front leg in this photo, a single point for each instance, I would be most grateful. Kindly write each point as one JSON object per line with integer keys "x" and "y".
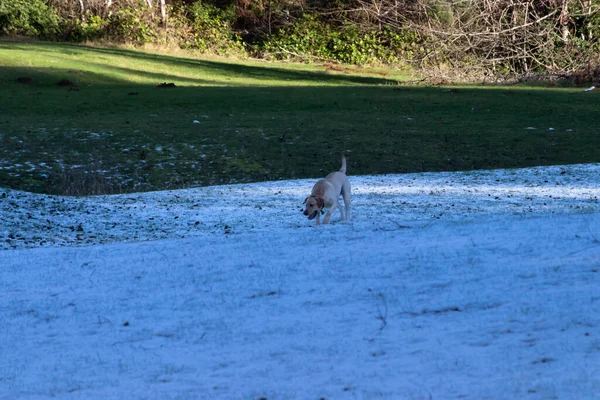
{"x": 318, "y": 218}
{"x": 330, "y": 212}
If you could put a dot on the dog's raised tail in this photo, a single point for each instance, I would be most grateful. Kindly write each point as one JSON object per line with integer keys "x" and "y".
{"x": 343, "y": 169}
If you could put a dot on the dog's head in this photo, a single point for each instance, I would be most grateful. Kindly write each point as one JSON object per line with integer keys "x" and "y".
{"x": 314, "y": 205}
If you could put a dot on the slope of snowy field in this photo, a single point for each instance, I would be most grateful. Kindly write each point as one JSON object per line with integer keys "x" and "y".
{"x": 384, "y": 202}
{"x": 473, "y": 285}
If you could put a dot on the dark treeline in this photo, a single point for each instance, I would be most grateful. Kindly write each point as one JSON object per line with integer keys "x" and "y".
{"x": 472, "y": 38}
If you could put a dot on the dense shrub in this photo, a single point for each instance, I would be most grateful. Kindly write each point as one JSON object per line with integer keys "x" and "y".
{"x": 312, "y": 37}
{"x": 28, "y": 17}
{"x": 135, "y": 24}
{"x": 209, "y": 29}
{"x": 93, "y": 27}
{"x": 195, "y": 25}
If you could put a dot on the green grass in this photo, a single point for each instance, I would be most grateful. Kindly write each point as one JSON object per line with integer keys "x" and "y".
{"x": 259, "y": 121}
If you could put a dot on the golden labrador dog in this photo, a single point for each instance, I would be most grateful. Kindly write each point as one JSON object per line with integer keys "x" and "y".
{"x": 325, "y": 194}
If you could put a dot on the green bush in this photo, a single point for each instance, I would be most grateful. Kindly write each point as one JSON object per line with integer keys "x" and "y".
{"x": 311, "y": 37}
{"x": 28, "y": 17}
{"x": 92, "y": 28}
{"x": 308, "y": 36}
{"x": 133, "y": 23}
{"x": 136, "y": 24}
{"x": 209, "y": 29}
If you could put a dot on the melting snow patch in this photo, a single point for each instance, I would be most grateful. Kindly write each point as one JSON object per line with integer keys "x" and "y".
{"x": 399, "y": 198}
{"x": 487, "y": 289}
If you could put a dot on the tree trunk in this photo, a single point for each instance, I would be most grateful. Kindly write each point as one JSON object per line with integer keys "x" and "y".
{"x": 82, "y": 9}
{"x": 269, "y": 16}
{"x": 107, "y": 5}
{"x": 163, "y": 12}
{"x": 564, "y": 21}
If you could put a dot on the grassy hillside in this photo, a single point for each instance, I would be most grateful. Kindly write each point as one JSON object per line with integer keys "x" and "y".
{"x": 109, "y": 128}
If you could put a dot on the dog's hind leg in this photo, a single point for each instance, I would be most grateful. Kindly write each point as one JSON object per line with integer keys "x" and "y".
{"x": 346, "y": 196}
{"x": 341, "y": 211}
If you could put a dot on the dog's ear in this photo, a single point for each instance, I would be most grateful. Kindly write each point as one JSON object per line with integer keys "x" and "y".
{"x": 304, "y": 202}
{"x": 320, "y": 202}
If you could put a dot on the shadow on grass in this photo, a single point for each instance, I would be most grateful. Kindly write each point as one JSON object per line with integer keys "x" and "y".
{"x": 267, "y": 74}
{"x": 51, "y": 76}
{"x": 115, "y": 135}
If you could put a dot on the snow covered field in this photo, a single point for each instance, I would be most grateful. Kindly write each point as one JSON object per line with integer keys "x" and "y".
{"x": 474, "y": 285}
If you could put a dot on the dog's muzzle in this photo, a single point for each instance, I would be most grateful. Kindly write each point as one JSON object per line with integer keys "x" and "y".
{"x": 313, "y": 215}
